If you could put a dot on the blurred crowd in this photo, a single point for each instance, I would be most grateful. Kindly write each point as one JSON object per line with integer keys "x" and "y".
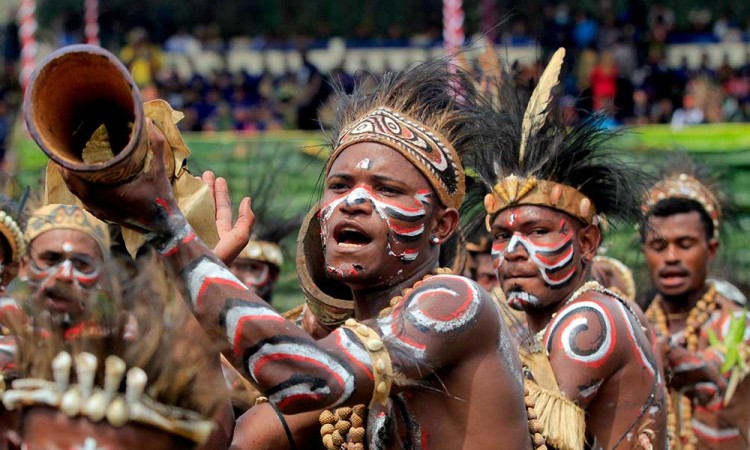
{"x": 617, "y": 62}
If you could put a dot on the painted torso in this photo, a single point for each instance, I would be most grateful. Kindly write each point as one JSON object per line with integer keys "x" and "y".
{"x": 716, "y": 427}
{"x": 603, "y": 361}
{"x": 467, "y": 394}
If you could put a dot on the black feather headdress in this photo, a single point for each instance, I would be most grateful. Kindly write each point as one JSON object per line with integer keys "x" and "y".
{"x": 272, "y": 225}
{"x": 425, "y": 112}
{"x": 532, "y": 157}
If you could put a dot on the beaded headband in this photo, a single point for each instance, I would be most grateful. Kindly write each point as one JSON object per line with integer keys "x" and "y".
{"x": 427, "y": 149}
{"x": 56, "y": 216}
{"x": 99, "y": 403}
{"x": 514, "y": 190}
{"x": 13, "y": 234}
{"x": 265, "y": 251}
{"x": 687, "y": 187}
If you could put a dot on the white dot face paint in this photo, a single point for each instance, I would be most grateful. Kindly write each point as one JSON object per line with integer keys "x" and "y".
{"x": 67, "y": 247}
{"x": 365, "y": 164}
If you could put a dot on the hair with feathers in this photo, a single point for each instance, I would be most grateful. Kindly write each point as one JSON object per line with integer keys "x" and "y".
{"x": 271, "y": 225}
{"x": 435, "y": 93}
{"x": 576, "y": 156}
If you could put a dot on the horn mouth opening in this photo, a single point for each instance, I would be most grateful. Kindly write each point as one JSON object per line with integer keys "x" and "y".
{"x": 71, "y": 94}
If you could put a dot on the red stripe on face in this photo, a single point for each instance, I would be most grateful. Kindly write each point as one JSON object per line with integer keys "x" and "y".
{"x": 406, "y": 229}
{"x": 553, "y": 260}
{"x": 562, "y": 277}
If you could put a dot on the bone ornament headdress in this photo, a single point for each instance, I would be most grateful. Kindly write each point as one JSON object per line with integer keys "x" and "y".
{"x": 105, "y": 402}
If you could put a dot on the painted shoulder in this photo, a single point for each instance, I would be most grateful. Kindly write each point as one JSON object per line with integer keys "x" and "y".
{"x": 586, "y": 329}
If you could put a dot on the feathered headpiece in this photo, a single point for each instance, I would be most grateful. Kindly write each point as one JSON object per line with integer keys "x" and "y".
{"x": 680, "y": 177}
{"x": 531, "y": 157}
{"x": 417, "y": 112}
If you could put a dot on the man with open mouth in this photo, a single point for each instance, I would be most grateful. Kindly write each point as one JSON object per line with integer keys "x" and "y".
{"x": 426, "y": 361}
{"x": 698, "y": 326}
{"x": 543, "y": 185}
{"x": 68, "y": 251}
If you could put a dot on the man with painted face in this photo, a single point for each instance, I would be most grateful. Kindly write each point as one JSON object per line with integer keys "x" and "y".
{"x": 128, "y": 390}
{"x": 68, "y": 248}
{"x": 680, "y": 238}
{"x": 426, "y": 362}
{"x": 597, "y": 378}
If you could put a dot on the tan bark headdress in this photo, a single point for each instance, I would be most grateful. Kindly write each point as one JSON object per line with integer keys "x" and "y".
{"x": 139, "y": 366}
{"x": 55, "y": 216}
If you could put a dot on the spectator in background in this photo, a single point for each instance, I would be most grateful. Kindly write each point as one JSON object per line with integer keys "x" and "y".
{"x": 313, "y": 91}
{"x": 142, "y": 58}
{"x": 603, "y": 82}
{"x": 689, "y": 114}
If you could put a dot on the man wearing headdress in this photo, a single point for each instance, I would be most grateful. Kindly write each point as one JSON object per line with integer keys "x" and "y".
{"x": 68, "y": 264}
{"x": 698, "y": 326}
{"x": 111, "y": 389}
{"x": 68, "y": 252}
{"x": 415, "y": 367}
{"x": 597, "y": 378}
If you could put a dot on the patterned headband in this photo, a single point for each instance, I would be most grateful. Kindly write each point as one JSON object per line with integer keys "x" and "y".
{"x": 513, "y": 190}
{"x": 427, "y": 149}
{"x": 55, "y": 216}
{"x": 687, "y": 187}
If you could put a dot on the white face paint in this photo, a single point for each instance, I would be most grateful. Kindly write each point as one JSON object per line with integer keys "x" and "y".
{"x": 365, "y": 164}
{"x": 547, "y": 258}
{"x": 405, "y": 222}
{"x": 517, "y": 299}
{"x": 67, "y": 247}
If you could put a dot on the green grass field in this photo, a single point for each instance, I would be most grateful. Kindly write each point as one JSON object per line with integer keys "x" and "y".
{"x": 243, "y": 160}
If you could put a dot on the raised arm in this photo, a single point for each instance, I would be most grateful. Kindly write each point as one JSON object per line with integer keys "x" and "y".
{"x": 294, "y": 371}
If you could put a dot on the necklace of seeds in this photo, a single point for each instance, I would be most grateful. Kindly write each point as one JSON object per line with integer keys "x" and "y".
{"x": 343, "y": 428}
{"x": 699, "y": 314}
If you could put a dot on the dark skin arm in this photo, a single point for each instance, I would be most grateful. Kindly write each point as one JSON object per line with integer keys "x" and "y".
{"x": 296, "y": 373}
{"x": 698, "y": 374}
{"x": 260, "y": 429}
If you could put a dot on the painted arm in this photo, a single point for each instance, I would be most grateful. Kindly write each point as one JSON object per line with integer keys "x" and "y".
{"x": 294, "y": 371}
{"x": 699, "y": 374}
{"x": 587, "y": 342}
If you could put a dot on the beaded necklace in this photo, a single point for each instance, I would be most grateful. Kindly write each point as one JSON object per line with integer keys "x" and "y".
{"x": 343, "y": 428}
{"x": 696, "y": 318}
